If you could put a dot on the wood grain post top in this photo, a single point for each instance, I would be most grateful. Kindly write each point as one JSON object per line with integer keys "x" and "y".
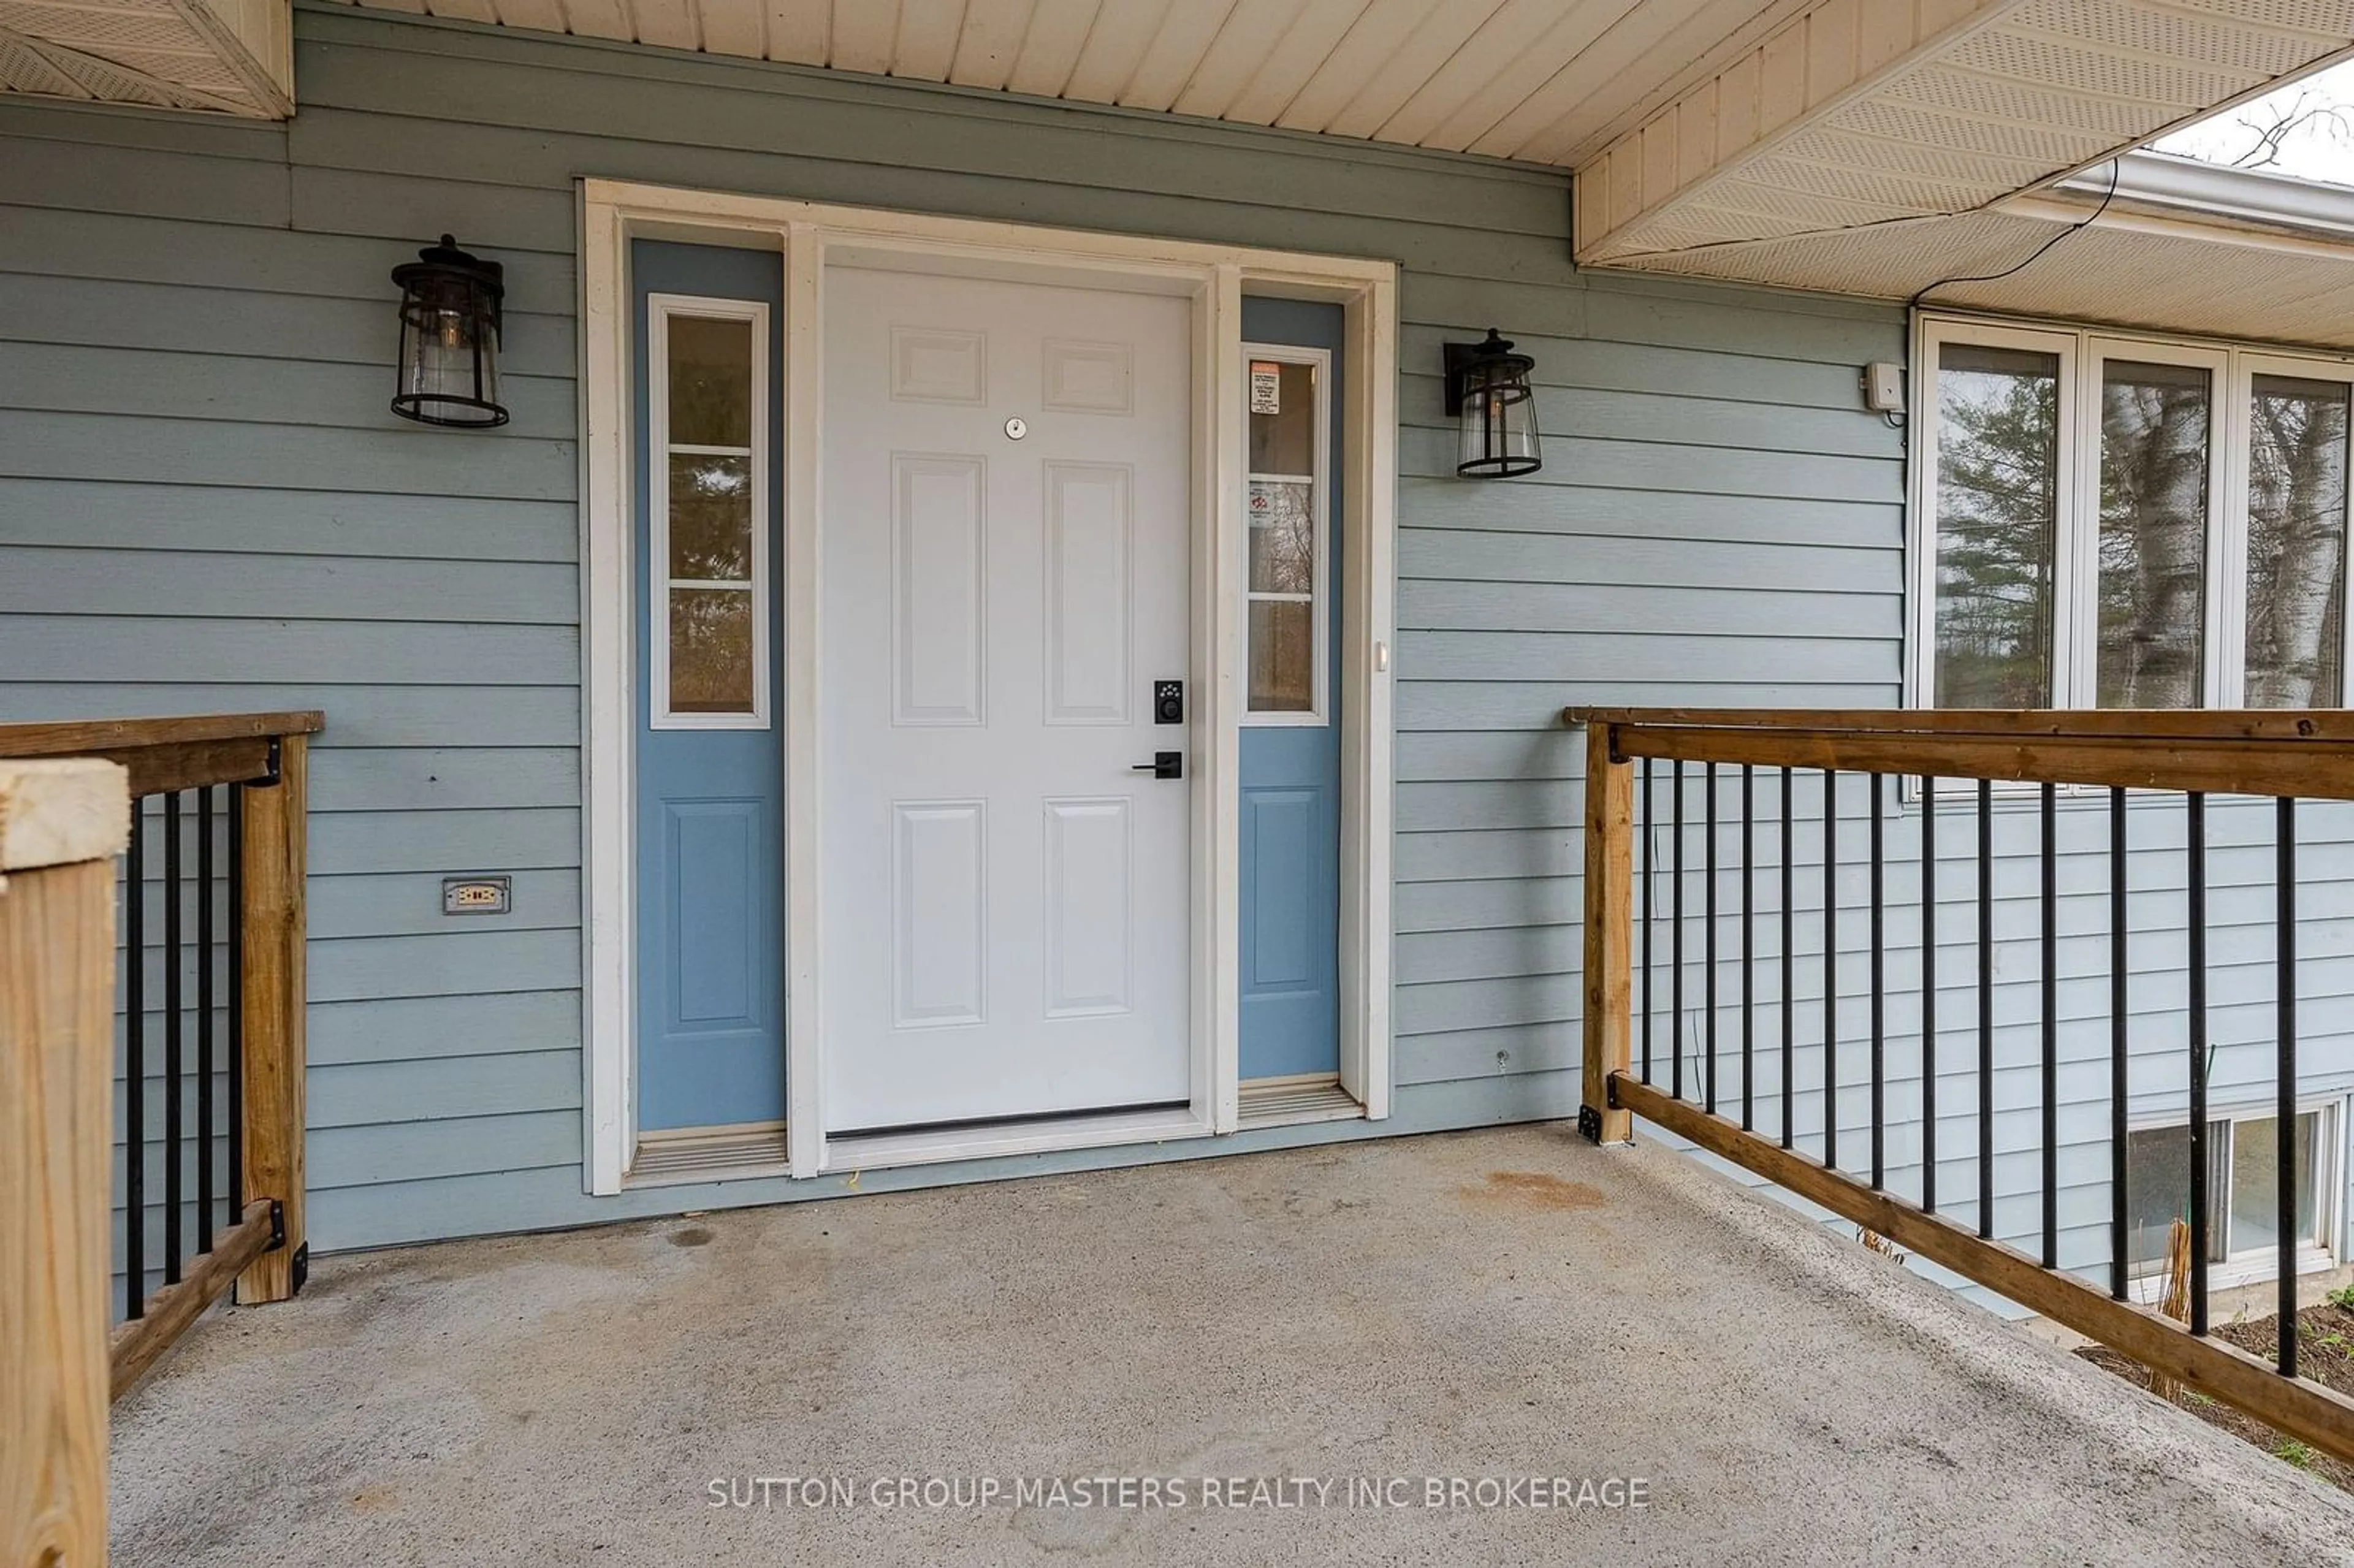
{"x": 62, "y": 811}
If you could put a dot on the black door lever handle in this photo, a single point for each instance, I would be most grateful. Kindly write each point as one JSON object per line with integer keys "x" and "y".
{"x": 1164, "y": 765}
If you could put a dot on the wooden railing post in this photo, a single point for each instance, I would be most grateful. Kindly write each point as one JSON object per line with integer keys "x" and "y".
{"x": 62, "y": 822}
{"x": 274, "y": 817}
{"x": 1609, "y": 933}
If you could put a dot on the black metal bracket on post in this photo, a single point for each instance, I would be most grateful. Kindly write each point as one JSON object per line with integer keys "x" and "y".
{"x": 276, "y": 770}
{"x": 302, "y": 1269}
{"x": 1589, "y": 1124}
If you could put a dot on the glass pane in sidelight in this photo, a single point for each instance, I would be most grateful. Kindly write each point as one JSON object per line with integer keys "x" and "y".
{"x": 2296, "y": 542}
{"x": 2154, "y": 474}
{"x": 710, "y": 382}
{"x": 1282, "y": 536}
{"x": 2256, "y": 1183}
{"x": 1282, "y": 656}
{"x": 1997, "y": 515}
{"x": 1283, "y": 417}
{"x": 710, "y": 517}
{"x": 711, "y": 652}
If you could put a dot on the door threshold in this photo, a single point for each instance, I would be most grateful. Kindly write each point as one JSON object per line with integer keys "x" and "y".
{"x": 730, "y": 1153}
{"x": 1291, "y": 1101}
{"x": 1045, "y": 1135}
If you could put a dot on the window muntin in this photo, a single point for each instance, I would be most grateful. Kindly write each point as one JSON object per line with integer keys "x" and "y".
{"x": 2243, "y": 1173}
{"x": 2199, "y": 521}
{"x": 1287, "y": 589}
{"x": 707, "y": 493}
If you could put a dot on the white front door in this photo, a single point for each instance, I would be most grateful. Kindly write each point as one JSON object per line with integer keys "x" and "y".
{"x": 1003, "y": 580}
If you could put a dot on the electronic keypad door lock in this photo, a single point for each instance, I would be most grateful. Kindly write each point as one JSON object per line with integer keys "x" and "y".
{"x": 1164, "y": 765}
{"x": 1168, "y": 702}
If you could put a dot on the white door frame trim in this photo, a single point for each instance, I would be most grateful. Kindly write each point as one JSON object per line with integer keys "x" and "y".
{"x": 808, "y": 235}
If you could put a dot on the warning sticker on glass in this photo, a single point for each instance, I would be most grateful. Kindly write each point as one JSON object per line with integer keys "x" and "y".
{"x": 1266, "y": 387}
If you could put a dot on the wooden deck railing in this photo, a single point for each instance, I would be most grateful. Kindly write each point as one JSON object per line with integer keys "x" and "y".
{"x": 1753, "y": 1070}
{"x": 211, "y": 884}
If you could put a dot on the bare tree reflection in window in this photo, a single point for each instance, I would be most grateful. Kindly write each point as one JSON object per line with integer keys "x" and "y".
{"x": 2296, "y": 542}
{"x": 2153, "y": 548}
{"x": 710, "y": 517}
{"x": 710, "y": 650}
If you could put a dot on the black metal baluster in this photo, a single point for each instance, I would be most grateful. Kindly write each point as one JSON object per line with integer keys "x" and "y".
{"x": 1708, "y": 946}
{"x": 234, "y": 1068}
{"x": 134, "y": 1065}
{"x": 1748, "y": 942}
{"x": 206, "y": 1215}
{"x": 2195, "y": 805}
{"x": 1676, "y": 942}
{"x": 2285, "y": 1091}
{"x": 1830, "y": 970}
{"x": 1789, "y": 969}
{"x": 2050, "y": 996}
{"x": 1929, "y": 995}
{"x": 1873, "y": 782}
{"x": 174, "y": 1132}
{"x": 2120, "y": 940}
{"x": 1986, "y": 1007}
{"x": 1650, "y": 903}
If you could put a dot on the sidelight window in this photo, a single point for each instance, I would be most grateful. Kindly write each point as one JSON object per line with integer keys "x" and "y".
{"x": 707, "y": 492}
{"x": 1288, "y": 561}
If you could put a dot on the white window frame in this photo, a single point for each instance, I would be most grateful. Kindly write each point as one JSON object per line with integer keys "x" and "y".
{"x": 660, "y": 584}
{"x": 2082, "y": 351}
{"x": 1318, "y": 712}
{"x": 2255, "y": 1265}
{"x": 2246, "y": 366}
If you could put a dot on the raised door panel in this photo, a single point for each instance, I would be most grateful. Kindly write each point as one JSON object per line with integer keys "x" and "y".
{"x": 1090, "y": 906}
{"x": 1089, "y": 520}
{"x": 939, "y": 608}
{"x": 940, "y": 912}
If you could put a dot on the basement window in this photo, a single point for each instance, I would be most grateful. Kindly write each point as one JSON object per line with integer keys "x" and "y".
{"x": 2242, "y": 1185}
{"x": 2120, "y": 521}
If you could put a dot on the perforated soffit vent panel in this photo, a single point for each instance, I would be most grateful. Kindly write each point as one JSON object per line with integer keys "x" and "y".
{"x": 229, "y": 57}
{"x": 1860, "y": 112}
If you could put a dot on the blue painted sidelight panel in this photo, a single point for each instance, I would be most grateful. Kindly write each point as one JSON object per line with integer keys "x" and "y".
{"x": 1290, "y": 852}
{"x": 711, "y": 989}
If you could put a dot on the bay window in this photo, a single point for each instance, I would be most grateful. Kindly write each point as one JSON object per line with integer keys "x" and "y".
{"x": 2126, "y": 523}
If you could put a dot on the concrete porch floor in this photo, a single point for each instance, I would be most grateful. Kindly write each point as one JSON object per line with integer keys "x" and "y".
{"x": 1506, "y": 1303}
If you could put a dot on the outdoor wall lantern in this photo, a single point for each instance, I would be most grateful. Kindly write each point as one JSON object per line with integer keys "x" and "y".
{"x": 1487, "y": 392}
{"x": 450, "y": 320}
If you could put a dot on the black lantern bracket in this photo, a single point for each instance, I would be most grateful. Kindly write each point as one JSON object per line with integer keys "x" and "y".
{"x": 1462, "y": 356}
{"x": 488, "y": 279}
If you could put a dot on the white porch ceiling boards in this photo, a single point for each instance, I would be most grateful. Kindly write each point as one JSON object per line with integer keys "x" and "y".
{"x": 233, "y": 57}
{"x": 1542, "y": 80}
{"x": 1689, "y": 122}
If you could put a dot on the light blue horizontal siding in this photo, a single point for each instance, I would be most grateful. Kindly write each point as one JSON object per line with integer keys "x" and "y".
{"x": 205, "y": 504}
